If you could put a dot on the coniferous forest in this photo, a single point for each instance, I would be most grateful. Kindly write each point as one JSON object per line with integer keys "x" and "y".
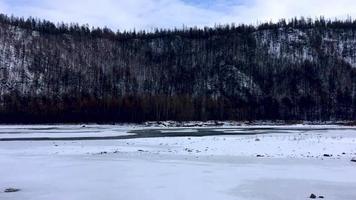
{"x": 299, "y": 69}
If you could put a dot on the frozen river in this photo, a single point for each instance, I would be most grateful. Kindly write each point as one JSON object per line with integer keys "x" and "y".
{"x": 139, "y": 163}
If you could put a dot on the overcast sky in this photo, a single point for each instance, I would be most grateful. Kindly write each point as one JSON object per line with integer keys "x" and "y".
{"x": 148, "y": 14}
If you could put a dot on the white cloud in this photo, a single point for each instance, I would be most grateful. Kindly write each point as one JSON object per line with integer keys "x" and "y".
{"x": 122, "y": 14}
{"x": 266, "y": 10}
{"x": 3, "y": 7}
{"x": 148, "y": 14}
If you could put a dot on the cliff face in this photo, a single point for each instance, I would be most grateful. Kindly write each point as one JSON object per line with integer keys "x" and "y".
{"x": 284, "y": 72}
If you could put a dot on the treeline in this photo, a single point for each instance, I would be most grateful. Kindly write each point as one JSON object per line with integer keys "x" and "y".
{"x": 301, "y": 69}
{"x": 75, "y": 29}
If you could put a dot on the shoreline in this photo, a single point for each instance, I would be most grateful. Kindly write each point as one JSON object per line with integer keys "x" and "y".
{"x": 210, "y": 123}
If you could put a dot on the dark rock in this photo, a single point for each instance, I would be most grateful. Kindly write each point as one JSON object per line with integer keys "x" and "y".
{"x": 321, "y": 197}
{"x": 140, "y": 150}
{"x": 8, "y": 190}
{"x": 257, "y": 140}
{"x": 353, "y": 159}
{"x": 312, "y": 196}
{"x": 219, "y": 124}
{"x": 162, "y": 124}
{"x": 328, "y": 155}
{"x": 260, "y": 156}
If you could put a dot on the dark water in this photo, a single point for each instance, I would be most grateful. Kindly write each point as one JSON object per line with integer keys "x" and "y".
{"x": 178, "y": 132}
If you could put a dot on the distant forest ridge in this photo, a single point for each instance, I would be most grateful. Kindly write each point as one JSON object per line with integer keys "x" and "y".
{"x": 300, "y": 69}
{"x": 46, "y": 26}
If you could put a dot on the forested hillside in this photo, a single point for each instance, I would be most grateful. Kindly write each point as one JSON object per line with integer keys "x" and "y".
{"x": 297, "y": 70}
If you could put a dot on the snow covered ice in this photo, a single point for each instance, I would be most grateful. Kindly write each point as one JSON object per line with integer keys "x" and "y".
{"x": 257, "y": 163}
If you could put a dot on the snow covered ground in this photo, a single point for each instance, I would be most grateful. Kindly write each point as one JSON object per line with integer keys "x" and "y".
{"x": 258, "y": 163}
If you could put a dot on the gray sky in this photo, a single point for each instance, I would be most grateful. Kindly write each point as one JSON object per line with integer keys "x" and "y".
{"x": 148, "y": 14}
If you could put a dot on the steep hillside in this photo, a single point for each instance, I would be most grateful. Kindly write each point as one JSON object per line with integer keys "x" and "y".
{"x": 301, "y": 70}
